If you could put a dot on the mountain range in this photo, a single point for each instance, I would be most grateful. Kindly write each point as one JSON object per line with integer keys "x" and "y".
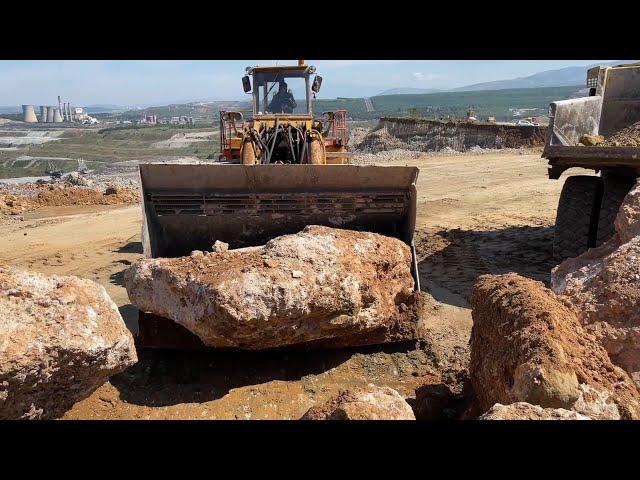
{"x": 409, "y": 91}
{"x": 550, "y": 78}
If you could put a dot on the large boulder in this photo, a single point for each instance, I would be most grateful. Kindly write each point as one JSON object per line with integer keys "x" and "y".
{"x": 321, "y": 287}
{"x": 368, "y": 403}
{"x": 627, "y": 222}
{"x": 527, "y": 345}
{"x": 606, "y": 294}
{"x": 603, "y": 285}
{"x": 526, "y": 411}
{"x": 60, "y": 339}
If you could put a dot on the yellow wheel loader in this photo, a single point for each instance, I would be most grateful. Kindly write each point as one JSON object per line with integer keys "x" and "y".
{"x": 282, "y": 170}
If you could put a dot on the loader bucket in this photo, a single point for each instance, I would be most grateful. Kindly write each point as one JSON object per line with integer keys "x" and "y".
{"x": 189, "y": 206}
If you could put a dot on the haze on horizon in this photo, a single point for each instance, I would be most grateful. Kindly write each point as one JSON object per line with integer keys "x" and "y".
{"x": 131, "y": 82}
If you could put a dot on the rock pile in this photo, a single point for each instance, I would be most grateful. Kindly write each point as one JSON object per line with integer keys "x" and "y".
{"x": 627, "y": 137}
{"x": 604, "y": 286}
{"x": 321, "y": 287}
{"x": 368, "y": 403}
{"x": 77, "y": 179}
{"x": 526, "y": 411}
{"x": 527, "y": 345}
{"x": 33, "y": 196}
{"x": 60, "y": 339}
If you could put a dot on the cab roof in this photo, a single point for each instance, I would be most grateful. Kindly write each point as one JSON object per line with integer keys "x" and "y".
{"x": 281, "y": 68}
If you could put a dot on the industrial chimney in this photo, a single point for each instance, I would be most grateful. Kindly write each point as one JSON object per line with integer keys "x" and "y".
{"x": 29, "y": 114}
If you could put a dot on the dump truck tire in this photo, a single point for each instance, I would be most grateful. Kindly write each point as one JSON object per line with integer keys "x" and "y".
{"x": 615, "y": 189}
{"x": 577, "y": 217}
{"x": 248, "y": 154}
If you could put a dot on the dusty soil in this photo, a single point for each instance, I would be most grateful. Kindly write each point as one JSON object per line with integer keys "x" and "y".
{"x": 489, "y": 213}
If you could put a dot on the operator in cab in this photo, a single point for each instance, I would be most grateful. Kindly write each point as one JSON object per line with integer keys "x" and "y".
{"x": 283, "y": 101}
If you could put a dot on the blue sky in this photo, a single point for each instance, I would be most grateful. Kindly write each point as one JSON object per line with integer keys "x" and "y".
{"x": 138, "y": 82}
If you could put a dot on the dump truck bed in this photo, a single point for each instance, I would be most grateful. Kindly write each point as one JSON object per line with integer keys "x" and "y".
{"x": 613, "y": 105}
{"x": 562, "y": 157}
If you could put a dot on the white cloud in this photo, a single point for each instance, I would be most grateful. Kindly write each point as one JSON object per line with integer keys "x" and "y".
{"x": 427, "y": 77}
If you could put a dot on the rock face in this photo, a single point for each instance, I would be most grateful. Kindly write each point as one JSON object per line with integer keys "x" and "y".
{"x": 526, "y": 411}
{"x": 369, "y": 403}
{"x": 60, "y": 339}
{"x": 437, "y": 135}
{"x": 321, "y": 287}
{"x": 604, "y": 286}
{"x": 527, "y": 345}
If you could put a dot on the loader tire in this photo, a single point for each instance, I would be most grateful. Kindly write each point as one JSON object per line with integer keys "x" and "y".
{"x": 577, "y": 217}
{"x": 317, "y": 154}
{"x": 615, "y": 189}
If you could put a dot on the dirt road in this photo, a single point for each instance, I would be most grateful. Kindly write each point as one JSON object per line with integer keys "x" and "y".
{"x": 476, "y": 214}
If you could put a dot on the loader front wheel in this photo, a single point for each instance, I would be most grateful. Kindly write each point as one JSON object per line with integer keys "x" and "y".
{"x": 317, "y": 154}
{"x": 577, "y": 217}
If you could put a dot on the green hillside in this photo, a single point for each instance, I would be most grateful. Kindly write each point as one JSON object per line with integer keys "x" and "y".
{"x": 484, "y": 103}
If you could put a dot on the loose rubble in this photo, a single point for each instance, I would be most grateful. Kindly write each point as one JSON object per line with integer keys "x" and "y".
{"x": 627, "y": 137}
{"x": 527, "y": 345}
{"x": 60, "y": 339}
{"x": 368, "y": 403}
{"x": 526, "y": 411}
{"x": 321, "y": 287}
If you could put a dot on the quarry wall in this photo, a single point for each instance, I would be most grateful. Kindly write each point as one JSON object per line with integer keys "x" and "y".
{"x": 435, "y": 135}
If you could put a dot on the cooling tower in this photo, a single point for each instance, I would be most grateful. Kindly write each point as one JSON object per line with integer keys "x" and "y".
{"x": 43, "y": 113}
{"x": 49, "y": 114}
{"x": 29, "y": 114}
{"x": 57, "y": 118}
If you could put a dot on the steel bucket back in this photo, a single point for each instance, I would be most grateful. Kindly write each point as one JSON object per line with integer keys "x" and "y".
{"x": 189, "y": 206}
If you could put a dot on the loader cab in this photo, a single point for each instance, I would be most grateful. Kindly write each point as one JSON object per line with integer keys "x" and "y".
{"x": 271, "y": 85}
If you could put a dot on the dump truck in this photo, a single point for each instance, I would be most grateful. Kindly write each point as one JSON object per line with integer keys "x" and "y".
{"x": 277, "y": 176}
{"x": 588, "y": 204}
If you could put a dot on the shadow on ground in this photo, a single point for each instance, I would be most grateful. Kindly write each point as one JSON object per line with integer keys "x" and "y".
{"x": 129, "y": 314}
{"x": 450, "y": 261}
{"x": 130, "y": 247}
{"x": 164, "y": 377}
